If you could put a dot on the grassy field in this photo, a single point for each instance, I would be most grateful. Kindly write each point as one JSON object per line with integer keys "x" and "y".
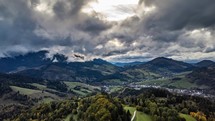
{"x": 115, "y": 88}
{"x": 39, "y": 86}
{"x": 113, "y": 81}
{"x": 159, "y": 82}
{"x": 187, "y": 117}
{"x": 140, "y": 116}
{"x": 131, "y": 109}
{"x": 84, "y": 88}
{"x": 46, "y": 100}
{"x": 24, "y": 91}
{"x": 46, "y": 97}
{"x": 79, "y": 92}
{"x": 183, "y": 83}
{"x": 43, "y": 87}
{"x": 141, "y": 73}
{"x": 74, "y": 84}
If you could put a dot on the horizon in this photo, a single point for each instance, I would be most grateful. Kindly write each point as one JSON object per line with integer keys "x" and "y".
{"x": 47, "y": 54}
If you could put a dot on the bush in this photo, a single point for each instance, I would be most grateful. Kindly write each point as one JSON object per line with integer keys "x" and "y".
{"x": 184, "y": 111}
{"x": 139, "y": 108}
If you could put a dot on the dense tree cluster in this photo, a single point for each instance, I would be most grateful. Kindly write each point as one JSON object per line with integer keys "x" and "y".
{"x": 4, "y": 88}
{"x": 157, "y": 108}
{"x": 54, "y": 111}
{"x": 164, "y": 106}
{"x": 160, "y": 104}
{"x": 10, "y": 111}
{"x": 199, "y": 116}
{"x": 94, "y": 108}
{"x": 17, "y": 79}
{"x": 204, "y": 76}
{"x": 102, "y": 108}
{"x": 57, "y": 85}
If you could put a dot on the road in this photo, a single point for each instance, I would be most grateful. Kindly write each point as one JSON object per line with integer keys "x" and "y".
{"x": 133, "y": 117}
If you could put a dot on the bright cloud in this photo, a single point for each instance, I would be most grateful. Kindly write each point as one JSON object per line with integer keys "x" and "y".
{"x": 112, "y": 10}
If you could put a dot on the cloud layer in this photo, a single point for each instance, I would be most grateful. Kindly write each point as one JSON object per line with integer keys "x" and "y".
{"x": 179, "y": 29}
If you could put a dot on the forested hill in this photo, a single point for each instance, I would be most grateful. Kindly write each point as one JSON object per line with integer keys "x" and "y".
{"x": 203, "y": 76}
{"x": 94, "y": 108}
{"x": 149, "y": 104}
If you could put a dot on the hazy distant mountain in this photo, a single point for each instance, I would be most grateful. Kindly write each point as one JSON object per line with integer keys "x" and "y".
{"x": 22, "y": 62}
{"x": 37, "y": 65}
{"x": 166, "y": 66}
{"x": 29, "y": 61}
{"x": 205, "y": 63}
{"x": 154, "y": 69}
{"x": 128, "y": 64}
{"x": 74, "y": 71}
{"x": 131, "y": 75}
{"x": 203, "y": 76}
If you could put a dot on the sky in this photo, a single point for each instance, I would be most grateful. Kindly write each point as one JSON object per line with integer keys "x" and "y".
{"x": 114, "y": 30}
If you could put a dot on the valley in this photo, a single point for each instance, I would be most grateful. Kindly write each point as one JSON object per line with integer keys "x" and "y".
{"x": 141, "y": 91}
{"x": 107, "y": 60}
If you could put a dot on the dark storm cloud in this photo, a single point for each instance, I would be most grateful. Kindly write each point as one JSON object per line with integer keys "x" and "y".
{"x": 127, "y": 58}
{"x": 68, "y": 8}
{"x": 116, "y": 52}
{"x": 93, "y": 26}
{"x": 27, "y": 29}
{"x": 172, "y": 28}
{"x": 179, "y": 14}
{"x": 172, "y": 18}
{"x": 166, "y": 31}
{"x": 136, "y": 57}
{"x": 17, "y": 23}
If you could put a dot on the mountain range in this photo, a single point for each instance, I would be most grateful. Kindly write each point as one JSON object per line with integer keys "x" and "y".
{"x": 205, "y": 63}
{"x": 121, "y": 64}
{"x": 38, "y": 65}
{"x": 37, "y": 79}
